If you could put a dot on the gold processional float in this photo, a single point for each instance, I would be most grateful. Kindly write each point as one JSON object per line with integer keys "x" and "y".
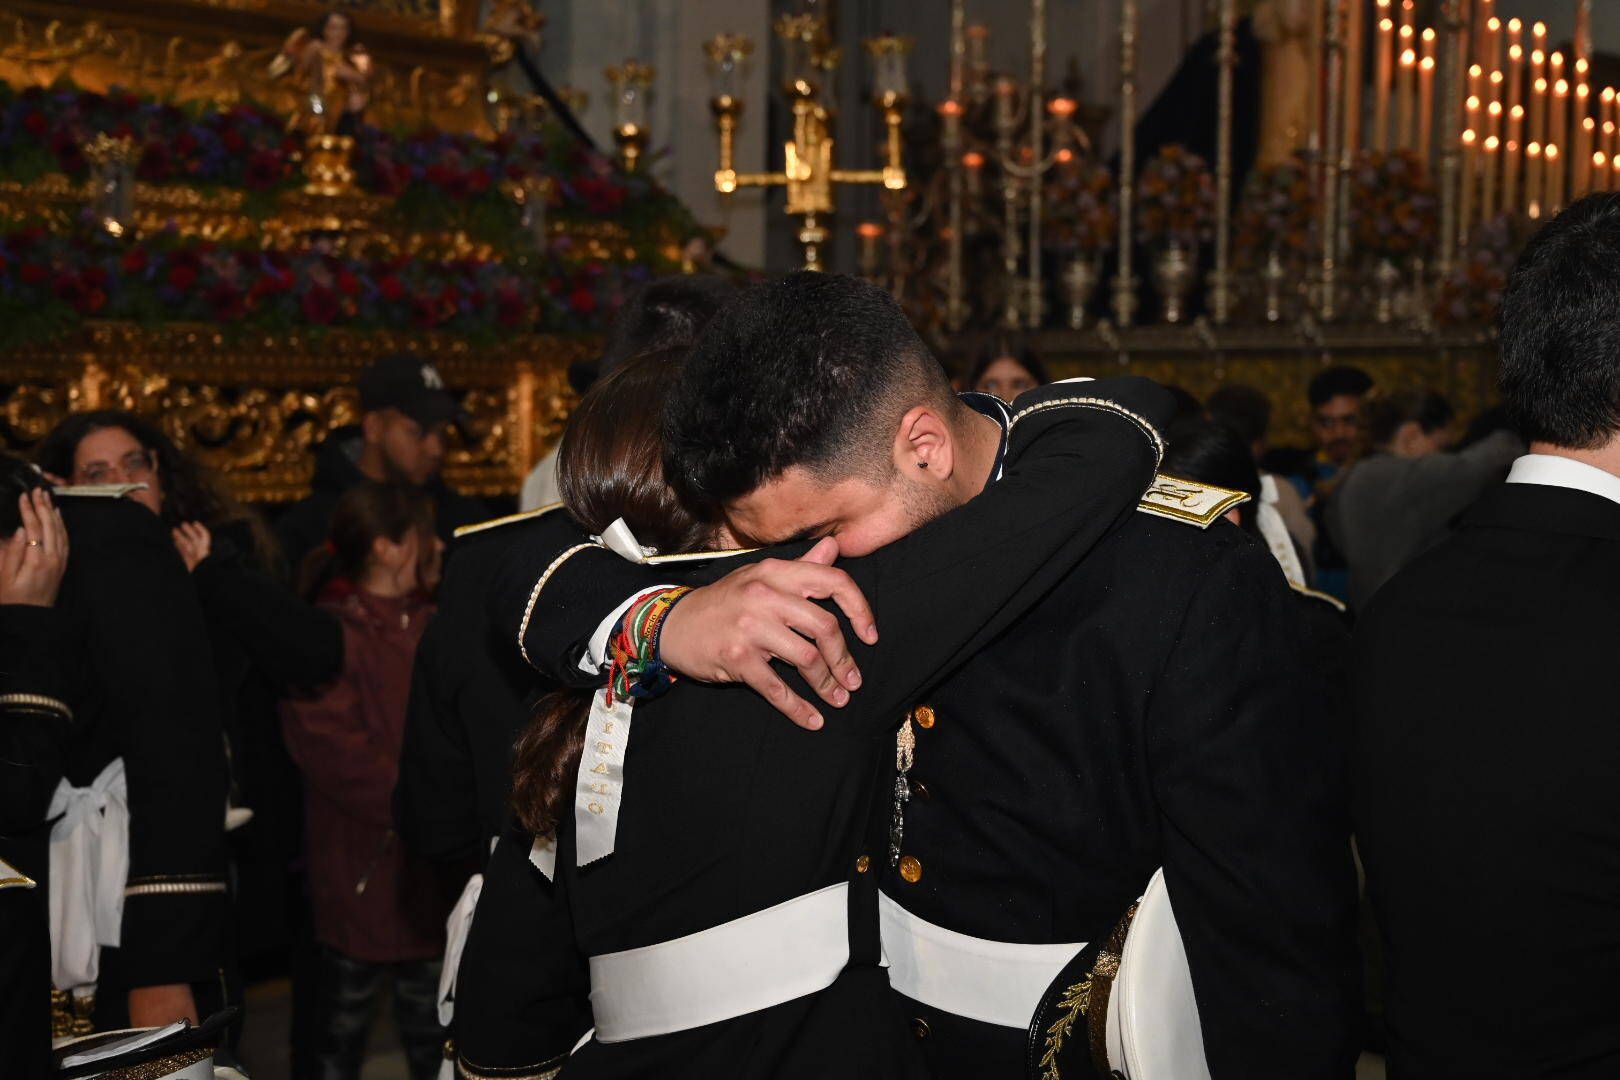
{"x": 1375, "y": 228}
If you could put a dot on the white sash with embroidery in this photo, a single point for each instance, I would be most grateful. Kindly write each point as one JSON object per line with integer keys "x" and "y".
{"x": 89, "y": 869}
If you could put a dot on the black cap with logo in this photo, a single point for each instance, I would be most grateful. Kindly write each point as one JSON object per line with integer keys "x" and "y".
{"x": 413, "y": 386}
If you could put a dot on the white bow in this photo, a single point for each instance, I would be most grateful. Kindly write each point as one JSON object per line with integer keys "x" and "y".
{"x": 456, "y": 928}
{"x": 89, "y": 869}
{"x": 1275, "y": 533}
{"x": 618, "y": 539}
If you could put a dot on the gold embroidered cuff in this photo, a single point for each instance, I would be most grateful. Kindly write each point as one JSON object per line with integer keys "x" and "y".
{"x": 549, "y": 1069}
{"x": 36, "y": 703}
{"x": 173, "y": 885}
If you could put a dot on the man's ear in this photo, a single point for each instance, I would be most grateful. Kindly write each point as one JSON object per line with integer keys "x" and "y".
{"x": 371, "y": 426}
{"x": 923, "y": 447}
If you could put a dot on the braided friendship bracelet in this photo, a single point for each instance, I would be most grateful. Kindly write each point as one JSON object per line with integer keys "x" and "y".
{"x": 635, "y": 670}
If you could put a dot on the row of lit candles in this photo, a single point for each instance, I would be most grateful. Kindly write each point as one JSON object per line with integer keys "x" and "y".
{"x": 1405, "y": 75}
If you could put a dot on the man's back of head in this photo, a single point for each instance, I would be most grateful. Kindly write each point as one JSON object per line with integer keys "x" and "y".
{"x": 665, "y": 313}
{"x": 813, "y": 370}
{"x": 1560, "y": 329}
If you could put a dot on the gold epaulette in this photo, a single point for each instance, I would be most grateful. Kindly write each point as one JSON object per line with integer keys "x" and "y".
{"x": 12, "y": 878}
{"x": 1188, "y": 501}
{"x": 495, "y": 523}
{"x": 97, "y": 491}
{"x": 1339, "y": 605}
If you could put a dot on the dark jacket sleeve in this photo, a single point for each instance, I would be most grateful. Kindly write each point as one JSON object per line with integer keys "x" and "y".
{"x": 1247, "y": 746}
{"x": 36, "y": 665}
{"x": 522, "y": 989}
{"x": 150, "y": 646}
{"x": 436, "y": 797}
{"x": 1078, "y": 459}
{"x": 294, "y": 644}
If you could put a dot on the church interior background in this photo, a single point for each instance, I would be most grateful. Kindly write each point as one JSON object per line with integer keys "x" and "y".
{"x": 217, "y": 212}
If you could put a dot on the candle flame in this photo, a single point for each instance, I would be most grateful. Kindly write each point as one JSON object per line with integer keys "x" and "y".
{"x": 1386, "y": 25}
{"x": 1495, "y": 24}
{"x": 1427, "y": 64}
{"x": 1408, "y": 58}
{"x": 1062, "y": 106}
{"x": 1561, "y": 87}
{"x": 1475, "y": 71}
{"x": 950, "y": 107}
{"x": 1496, "y": 78}
{"x": 1581, "y": 66}
{"x": 1494, "y": 108}
{"x": 1472, "y": 104}
{"x": 1469, "y": 137}
{"x": 1556, "y": 59}
{"x": 1539, "y": 29}
{"x": 1515, "y": 53}
{"x": 1065, "y": 156}
{"x": 1517, "y": 113}
{"x": 1552, "y": 151}
{"x": 1538, "y": 57}
{"x": 1428, "y": 33}
{"x": 1541, "y": 86}
{"x": 869, "y": 230}
{"x": 1614, "y": 163}
{"x": 973, "y": 159}
{"x": 1583, "y": 91}
{"x": 1589, "y": 124}
{"x": 1492, "y": 143}
{"x": 1600, "y": 159}
{"x": 1533, "y": 150}
{"x": 1608, "y": 94}
{"x": 1515, "y": 25}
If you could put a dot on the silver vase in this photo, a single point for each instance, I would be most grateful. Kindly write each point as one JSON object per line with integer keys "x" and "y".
{"x": 1274, "y": 276}
{"x": 1386, "y": 281}
{"x": 1173, "y": 273}
{"x": 1080, "y": 279}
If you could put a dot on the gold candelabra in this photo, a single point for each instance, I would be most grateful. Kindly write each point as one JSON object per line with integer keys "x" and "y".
{"x": 809, "y": 172}
{"x": 630, "y": 82}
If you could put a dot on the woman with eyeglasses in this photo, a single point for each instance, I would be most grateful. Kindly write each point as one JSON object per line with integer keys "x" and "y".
{"x": 264, "y": 640}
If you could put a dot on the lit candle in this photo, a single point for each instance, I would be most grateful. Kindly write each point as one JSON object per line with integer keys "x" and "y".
{"x": 1491, "y": 54}
{"x": 1538, "y": 94}
{"x": 1355, "y": 64}
{"x": 1532, "y": 182}
{"x": 1555, "y": 178}
{"x": 870, "y": 233}
{"x": 1600, "y": 171}
{"x": 1515, "y": 65}
{"x": 1386, "y": 60}
{"x": 1581, "y": 181}
{"x": 1488, "y": 201}
{"x": 973, "y": 162}
{"x": 1510, "y": 157}
{"x": 1426, "y": 97}
{"x": 1470, "y": 172}
{"x": 1557, "y": 133}
{"x": 1406, "y": 76}
{"x": 1604, "y": 117}
{"x": 1614, "y": 174}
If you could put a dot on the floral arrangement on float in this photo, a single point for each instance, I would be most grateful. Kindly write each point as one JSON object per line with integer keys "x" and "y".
{"x": 1275, "y": 227}
{"x": 1394, "y": 219}
{"x": 51, "y": 282}
{"x": 1472, "y": 291}
{"x": 1081, "y": 208}
{"x": 1175, "y": 213}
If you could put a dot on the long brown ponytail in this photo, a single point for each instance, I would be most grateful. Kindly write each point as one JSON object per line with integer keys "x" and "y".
{"x": 609, "y": 466}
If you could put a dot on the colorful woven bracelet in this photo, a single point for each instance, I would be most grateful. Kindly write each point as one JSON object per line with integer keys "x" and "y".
{"x": 635, "y": 670}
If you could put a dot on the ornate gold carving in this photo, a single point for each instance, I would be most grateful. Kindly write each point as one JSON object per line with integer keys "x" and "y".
{"x": 254, "y": 408}
{"x": 70, "y": 1016}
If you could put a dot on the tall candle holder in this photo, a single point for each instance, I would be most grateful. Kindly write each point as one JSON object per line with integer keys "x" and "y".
{"x": 630, "y": 82}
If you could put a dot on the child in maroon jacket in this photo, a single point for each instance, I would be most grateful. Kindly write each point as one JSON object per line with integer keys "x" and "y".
{"x": 378, "y": 916}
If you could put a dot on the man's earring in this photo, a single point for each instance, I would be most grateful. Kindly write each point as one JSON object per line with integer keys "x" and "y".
{"x": 922, "y": 464}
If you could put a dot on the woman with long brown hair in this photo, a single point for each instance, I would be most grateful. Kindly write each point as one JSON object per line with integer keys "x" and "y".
{"x": 730, "y": 815}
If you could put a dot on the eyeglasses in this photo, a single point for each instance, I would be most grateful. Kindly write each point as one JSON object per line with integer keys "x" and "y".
{"x": 134, "y": 468}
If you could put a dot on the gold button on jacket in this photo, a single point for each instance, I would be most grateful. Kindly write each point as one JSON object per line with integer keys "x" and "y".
{"x": 911, "y": 869}
{"x": 923, "y": 716}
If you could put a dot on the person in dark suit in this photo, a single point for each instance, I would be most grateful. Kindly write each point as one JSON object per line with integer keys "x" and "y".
{"x": 1487, "y": 762}
{"x": 1151, "y": 711}
{"x": 730, "y": 814}
{"x": 37, "y": 662}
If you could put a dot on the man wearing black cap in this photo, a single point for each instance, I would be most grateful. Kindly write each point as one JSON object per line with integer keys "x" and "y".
{"x": 405, "y": 413}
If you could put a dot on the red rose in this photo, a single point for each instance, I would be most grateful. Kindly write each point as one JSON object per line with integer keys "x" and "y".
{"x": 33, "y": 273}
{"x": 182, "y": 277}
{"x": 320, "y": 305}
{"x": 582, "y": 301}
{"x": 134, "y": 261}
{"x": 390, "y": 287}
{"x": 34, "y": 123}
{"x": 347, "y": 283}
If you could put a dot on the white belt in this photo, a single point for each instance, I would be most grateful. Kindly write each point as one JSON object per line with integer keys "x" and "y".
{"x": 784, "y": 952}
{"x": 996, "y": 982}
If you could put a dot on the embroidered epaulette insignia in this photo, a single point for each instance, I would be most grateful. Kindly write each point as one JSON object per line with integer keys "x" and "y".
{"x": 1188, "y": 501}
{"x": 1338, "y": 604}
{"x": 495, "y": 523}
{"x": 97, "y": 491}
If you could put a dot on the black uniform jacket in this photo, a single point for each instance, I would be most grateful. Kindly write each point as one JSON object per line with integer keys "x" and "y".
{"x": 147, "y": 694}
{"x": 730, "y": 809}
{"x": 1487, "y": 791}
{"x": 38, "y": 658}
{"x": 1160, "y": 706}
{"x": 469, "y": 700}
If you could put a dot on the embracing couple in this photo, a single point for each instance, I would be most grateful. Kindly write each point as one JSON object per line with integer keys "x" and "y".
{"x": 1040, "y": 675}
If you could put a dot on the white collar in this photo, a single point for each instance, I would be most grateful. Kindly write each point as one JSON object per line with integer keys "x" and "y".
{"x": 1551, "y": 470}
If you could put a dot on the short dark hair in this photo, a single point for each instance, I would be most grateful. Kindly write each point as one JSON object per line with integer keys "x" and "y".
{"x": 1335, "y": 382}
{"x": 1560, "y": 328}
{"x": 664, "y": 313}
{"x": 1212, "y": 453}
{"x": 1385, "y": 414}
{"x": 1243, "y": 408}
{"x": 810, "y": 370}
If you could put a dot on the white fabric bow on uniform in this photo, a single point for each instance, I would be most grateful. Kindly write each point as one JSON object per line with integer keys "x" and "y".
{"x": 1275, "y": 533}
{"x": 89, "y": 868}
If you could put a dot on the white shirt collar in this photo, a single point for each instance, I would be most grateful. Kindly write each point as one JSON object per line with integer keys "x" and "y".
{"x": 1550, "y": 470}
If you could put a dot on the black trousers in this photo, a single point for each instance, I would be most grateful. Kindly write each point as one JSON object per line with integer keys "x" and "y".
{"x": 350, "y": 991}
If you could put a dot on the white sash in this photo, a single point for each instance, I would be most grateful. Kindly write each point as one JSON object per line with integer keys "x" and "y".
{"x": 1275, "y": 533}
{"x": 455, "y": 940}
{"x": 89, "y": 868}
